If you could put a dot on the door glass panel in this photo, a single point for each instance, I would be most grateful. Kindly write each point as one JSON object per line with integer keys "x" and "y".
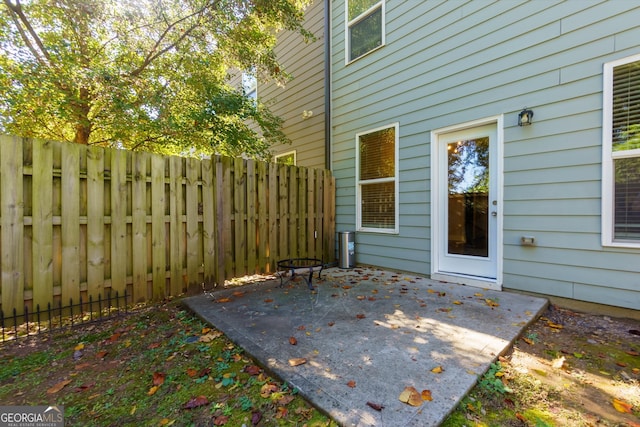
{"x": 468, "y": 194}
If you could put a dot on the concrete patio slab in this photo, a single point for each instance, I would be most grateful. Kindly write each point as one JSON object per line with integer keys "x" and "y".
{"x": 366, "y": 334}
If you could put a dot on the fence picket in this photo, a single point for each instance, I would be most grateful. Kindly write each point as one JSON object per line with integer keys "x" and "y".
{"x": 42, "y": 228}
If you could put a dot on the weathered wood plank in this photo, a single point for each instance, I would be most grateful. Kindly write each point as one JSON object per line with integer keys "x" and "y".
{"x": 226, "y": 226}
{"x": 176, "y": 250}
{"x": 292, "y": 212}
{"x": 70, "y": 227}
{"x": 239, "y": 214}
{"x": 118, "y": 221}
{"x": 208, "y": 222}
{"x": 319, "y": 201}
{"x": 42, "y": 228}
{"x": 302, "y": 213}
{"x": 274, "y": 248}
{"x": 12, "y": 220}
{"x": 158, "y": 233}
{"x": 221, "y": 226}
{"x": 251, "y": 237}
{"x": 263, "y": 218}
{"x": 95, "y": 222}
{"x": 193, "y": 237}
{"x": 312, "y": 235}
{"x": 140, "y": 266}
{"x": 284, "y": 251}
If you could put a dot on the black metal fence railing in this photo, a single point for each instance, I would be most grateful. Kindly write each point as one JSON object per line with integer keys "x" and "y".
{"x": 17, "y": 326}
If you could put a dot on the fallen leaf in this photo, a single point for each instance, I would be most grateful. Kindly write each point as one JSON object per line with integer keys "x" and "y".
{"x": 267, "y": 389}
{"x": 101, "y": 354}
{"x": 220, "y": 420}
{"x": 528, "y": 341}
{"x": 238, "y": 293}
{"x": 410, "y": 396}
{"x": 223, "y": 300}
{"x": 158, "y": 378}
{"x": 360, "y": 316}
{"x": 297, "y": 361}
{"x": 205, "y": 331}
{"x": 456, "y": 302}
{"x": 210, "y": 336}
{"x": 152, "y": 390}
{"x": 196, "y": 402}
{"x": 113, "y": 338}
{"x": 554, "y": 325}
{"x": 281, "y": 412}
{"x": 632, "y": 353}
{"x": 437, "y": 370}
{"x": 79, "y": 347}
{"x": 426, "y": 395}
{"x": 622, "y": 406}
{"x": 252, "y": 369}
{"x": 352, "y": 384}
{"x": 268, "y": 300}
{"x": 521, "y": 418}
{"x": 331, "y": 323}
{"x": 491, "y": 303}
{"x": 376, "y": 406}
{"x": 192, "y": 372}
{"x": 153, "y": 345}
{"x": 59, "y": 386}
{"x": 477, "y": 294}
{"x": 256, "y": 417}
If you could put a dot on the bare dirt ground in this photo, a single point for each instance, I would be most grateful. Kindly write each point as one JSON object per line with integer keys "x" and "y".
{"x": 567, "y": 369}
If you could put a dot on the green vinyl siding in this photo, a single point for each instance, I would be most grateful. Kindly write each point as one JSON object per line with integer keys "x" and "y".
{"x": 445, "y": 63}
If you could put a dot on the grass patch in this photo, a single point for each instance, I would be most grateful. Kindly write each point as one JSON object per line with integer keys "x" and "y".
{"x": 159, "y": 365}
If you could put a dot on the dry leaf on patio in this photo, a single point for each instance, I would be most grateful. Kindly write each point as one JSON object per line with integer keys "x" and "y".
{"x": 426, "y": 395}
{"x": 293, "y": 340}
{"x": 351, "y": 384}
{"x": 223, "y": 300}
{"x": 376, "y": 406}
{"x": 410, "y": 396}
{"x": 360, "y": 316}
{"x": 56, "y": 388}
{"x": 297, "y": 361}
{"x": 437, "y": 370}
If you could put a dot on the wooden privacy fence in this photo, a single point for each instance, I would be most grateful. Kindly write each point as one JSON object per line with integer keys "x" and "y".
{"x": 80, "y": 221}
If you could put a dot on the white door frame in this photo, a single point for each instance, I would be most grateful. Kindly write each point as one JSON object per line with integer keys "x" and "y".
{"x": 436, "y": 209}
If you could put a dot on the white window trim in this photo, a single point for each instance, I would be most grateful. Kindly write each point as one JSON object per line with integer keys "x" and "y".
{"x": 395, "y": 178}
{"x": 288, "y": 153}
{"x": 348, "y": 24}
{"x": 608, "y": 156}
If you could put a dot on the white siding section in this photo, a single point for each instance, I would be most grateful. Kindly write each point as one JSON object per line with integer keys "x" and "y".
{"x": 448, "y": 62}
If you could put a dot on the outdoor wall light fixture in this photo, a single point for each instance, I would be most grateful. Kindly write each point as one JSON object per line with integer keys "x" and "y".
{"x": 525, "y": 117}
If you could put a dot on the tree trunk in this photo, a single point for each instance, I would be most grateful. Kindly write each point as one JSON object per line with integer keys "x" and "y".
{"x": 82, "y": 134}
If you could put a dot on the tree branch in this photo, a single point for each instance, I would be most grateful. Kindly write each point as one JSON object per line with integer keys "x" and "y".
{"x": 22, "y": 22}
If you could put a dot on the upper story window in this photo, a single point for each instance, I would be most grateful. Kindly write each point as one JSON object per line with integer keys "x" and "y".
{"x": 250, "y": 85}
{"x": 621, "y": 153}
{"x": 365, "y": 27}
{"x": 377, "y": 180}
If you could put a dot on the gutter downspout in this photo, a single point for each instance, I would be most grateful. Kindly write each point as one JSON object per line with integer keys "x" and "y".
{"x": 327, "y": 84}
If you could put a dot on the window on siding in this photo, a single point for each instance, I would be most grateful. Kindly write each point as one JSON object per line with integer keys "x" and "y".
{"x": 250, "y": 85}
{"x": 621, "y": 148}
{"x": 377, "y": 180}
{"x": 288, "y": 158}
{"x": 365, "y": 27}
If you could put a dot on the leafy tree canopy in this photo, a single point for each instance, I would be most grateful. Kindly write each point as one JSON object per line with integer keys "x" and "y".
{"x": 142, "y": 74}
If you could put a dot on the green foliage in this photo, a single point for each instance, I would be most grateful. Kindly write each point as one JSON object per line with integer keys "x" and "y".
{"x": 142, "y": 75}
{"x": 492, "y": 382}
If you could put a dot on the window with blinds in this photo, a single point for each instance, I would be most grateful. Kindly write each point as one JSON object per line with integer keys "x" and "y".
{"x": 365, "y": 27}
{"x": 622, "y": 152}
{"x": 377, "y": 179}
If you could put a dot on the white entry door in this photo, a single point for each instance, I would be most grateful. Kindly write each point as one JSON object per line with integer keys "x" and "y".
{"x": 467, "y": 203}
